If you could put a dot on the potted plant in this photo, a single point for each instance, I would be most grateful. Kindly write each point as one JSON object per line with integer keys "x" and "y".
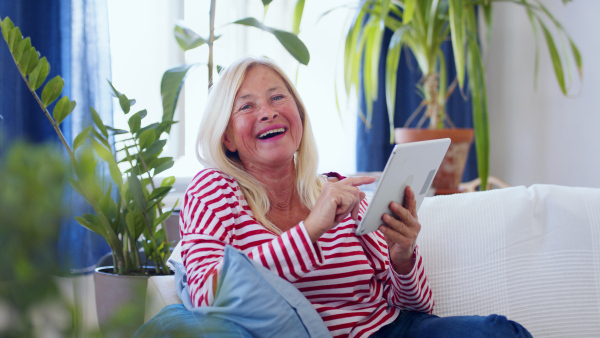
{"x": 421, "y": 26}
{"x": 128, "y": 210}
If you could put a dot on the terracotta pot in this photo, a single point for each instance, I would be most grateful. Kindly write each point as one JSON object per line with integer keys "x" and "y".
{"x": 120, "y": 301}
{"x": 451, "y": 170}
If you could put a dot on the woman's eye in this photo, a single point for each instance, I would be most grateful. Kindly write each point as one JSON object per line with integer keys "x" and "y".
{"x": 277, "y": 97}
{"x": 246, "y": 106}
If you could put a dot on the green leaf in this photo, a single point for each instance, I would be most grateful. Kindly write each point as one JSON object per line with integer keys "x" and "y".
{"x": 159, "y": 192}
{"x": 14, "y": 37}
{"x": 135, "y": 121}
{"x": 556, "y": 62}
{"x": 150, "y": 206}
{"x": 107, "y": 156}
{"x": 353, "y": 50}
{"x": 39, "y": 74}
{"x": 147, "y": 138}
{"x": 111, "y": 210}
{"x": 164, "y": 126}
{"x": 101, "y": 138}
{"x": 391, "y": 71}
{"x": 75, "y": 185}
{"x": 124, "y": 103}
{"x": 135, "y": 187}
{"x": 90, "y": 226}
{"x": 293, "y": 45}
{"x": 385, "y": 9}
{"x": 477, "y": 88}
{"x": 73, "y": 104}
{"x": 142, "y": 113}
{"x": 61, "y": 109}
{"x": 52, "y": 90}
{"x": 81, "y": 137}
{"x": 530, "y": 15}
{"x": 155, "y": 149}
{"x": 7, "y": 25}
{"x": 135, "y": 223}
{"x": 577, "y": 57}
{"x": 298, "y": 11}
{"x": 104, "y": 153}
{"x": 187, "y": 38}
{"x": 115, "y": 92}
{"x": 98, "y": 121}
{"x": 116, "y": 131}
{"x": 266, "y": 2}
{"x": 130, "y": 221}
{"x": 29, "y": 60}
{"x": 409, "y": 11}
{"x": 373, "y": 35}
{"x": 164, "y": 166}
{"x": 168, "y": 181}
{"x": 457, "y": 30}
{"x": 22, "y": 46}
{"x": 163, "y": 217}
{"x": 289, "y": 41}
{"x": 170, "y": 87}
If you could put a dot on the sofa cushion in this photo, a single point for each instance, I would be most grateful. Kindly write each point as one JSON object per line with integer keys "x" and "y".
{"x": 531, "y": 254}
{"x": 160, "y": 293}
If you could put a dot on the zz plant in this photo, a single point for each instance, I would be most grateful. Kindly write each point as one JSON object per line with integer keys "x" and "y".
{"x": 127, "y": 209}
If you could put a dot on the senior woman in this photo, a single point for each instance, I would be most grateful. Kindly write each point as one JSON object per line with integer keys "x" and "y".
{"x": 260, "y": 194}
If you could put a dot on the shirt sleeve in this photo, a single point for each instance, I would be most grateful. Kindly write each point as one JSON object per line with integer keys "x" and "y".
{"x": 406, "y": 292}
{"x": 209, "y": 215}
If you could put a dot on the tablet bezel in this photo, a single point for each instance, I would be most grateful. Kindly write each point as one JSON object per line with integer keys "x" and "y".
{"x": 414, "y": 164}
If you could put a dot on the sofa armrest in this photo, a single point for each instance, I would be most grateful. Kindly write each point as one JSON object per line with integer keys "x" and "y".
{"x": 160, "y": 293}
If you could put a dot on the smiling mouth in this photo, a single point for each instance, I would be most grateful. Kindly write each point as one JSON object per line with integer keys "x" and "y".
{"x": 271, "y": 133}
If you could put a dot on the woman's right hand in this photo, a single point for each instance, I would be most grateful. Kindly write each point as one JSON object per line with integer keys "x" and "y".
{"x": 336, "y": 202}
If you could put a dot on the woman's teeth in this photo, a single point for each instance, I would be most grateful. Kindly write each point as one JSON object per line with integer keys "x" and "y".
{"x": 271, "y": 132}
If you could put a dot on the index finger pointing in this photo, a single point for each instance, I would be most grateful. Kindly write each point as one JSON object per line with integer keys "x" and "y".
{"x": 357, "y": 180}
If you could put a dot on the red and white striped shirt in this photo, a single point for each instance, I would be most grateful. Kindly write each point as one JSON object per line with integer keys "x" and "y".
{"x": 347, "y": 278}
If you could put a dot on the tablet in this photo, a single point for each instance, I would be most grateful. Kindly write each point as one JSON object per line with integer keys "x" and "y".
{"x": 410, "y": 164}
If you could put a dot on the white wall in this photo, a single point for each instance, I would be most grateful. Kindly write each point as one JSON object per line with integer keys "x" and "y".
{"x": 540, "y": 136}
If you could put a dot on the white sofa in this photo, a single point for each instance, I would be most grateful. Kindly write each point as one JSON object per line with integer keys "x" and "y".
{"x": 531, "y": 254}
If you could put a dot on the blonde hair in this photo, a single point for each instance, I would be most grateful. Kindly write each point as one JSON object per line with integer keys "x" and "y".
{"x": 212, "y": 153}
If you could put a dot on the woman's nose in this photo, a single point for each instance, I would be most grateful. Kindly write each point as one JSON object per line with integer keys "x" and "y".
{"x": 267, "y": 114}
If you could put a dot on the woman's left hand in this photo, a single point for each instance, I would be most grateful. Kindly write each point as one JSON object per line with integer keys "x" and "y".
{"x": 400, "y": 232}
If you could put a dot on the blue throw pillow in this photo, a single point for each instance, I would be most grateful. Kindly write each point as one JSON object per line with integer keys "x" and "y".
{"x": 251, "y": 299}
{"x": 175, "y": 321}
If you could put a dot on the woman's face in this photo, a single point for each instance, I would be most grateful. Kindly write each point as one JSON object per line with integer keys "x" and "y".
{"x": 265, "y": 126}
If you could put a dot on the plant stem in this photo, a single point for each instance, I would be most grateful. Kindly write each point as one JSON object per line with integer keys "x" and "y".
{"x": 211, "y": 40}
{"x": 45, "y": 110}
{"x": 431, "y": 95}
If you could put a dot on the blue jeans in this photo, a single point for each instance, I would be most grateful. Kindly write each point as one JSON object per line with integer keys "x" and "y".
{"x": 417, "y": 324}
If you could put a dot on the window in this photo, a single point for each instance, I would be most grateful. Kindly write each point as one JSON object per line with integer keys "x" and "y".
{"x": 143, "y": 47}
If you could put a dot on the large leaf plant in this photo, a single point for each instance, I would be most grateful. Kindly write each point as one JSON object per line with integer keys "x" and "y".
{"x": 127, "y": 208}
{"x": 421, "y": 26}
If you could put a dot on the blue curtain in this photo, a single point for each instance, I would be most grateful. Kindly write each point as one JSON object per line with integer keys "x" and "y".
{"x": 73, "y": 36}
{"x": 373, "y": 145}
